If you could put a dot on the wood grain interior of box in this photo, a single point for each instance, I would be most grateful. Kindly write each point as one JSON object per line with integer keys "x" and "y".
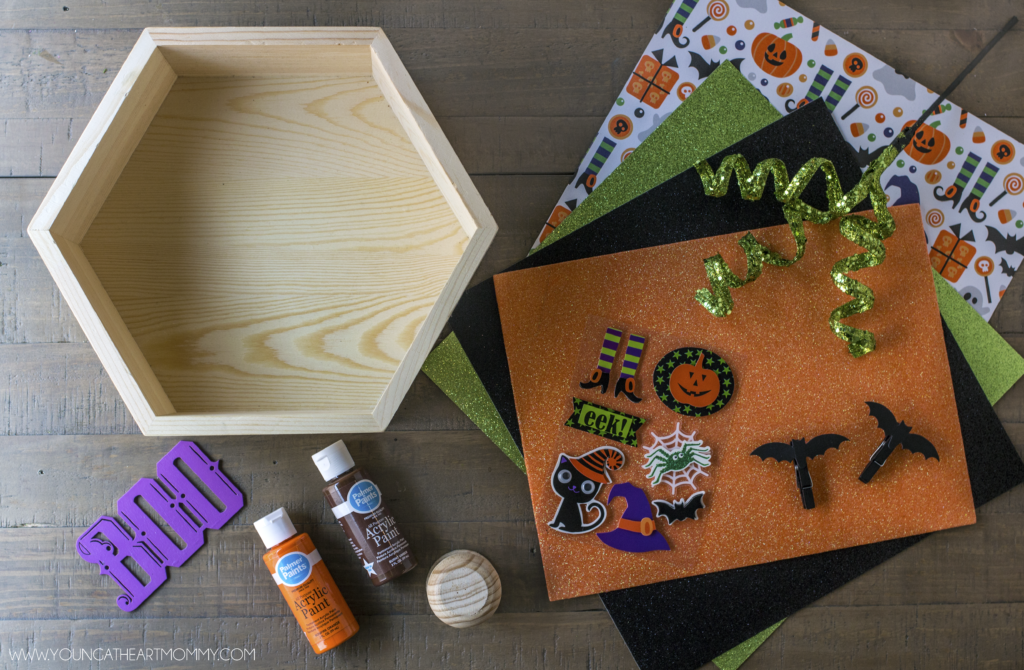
{"x": 274, "y": 243}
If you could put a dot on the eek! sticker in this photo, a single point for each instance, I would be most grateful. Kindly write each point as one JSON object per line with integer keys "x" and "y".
{"x": 604, "y": 422}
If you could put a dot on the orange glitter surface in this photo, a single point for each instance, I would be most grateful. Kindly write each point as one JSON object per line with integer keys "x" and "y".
{"x": 794, "y": 379}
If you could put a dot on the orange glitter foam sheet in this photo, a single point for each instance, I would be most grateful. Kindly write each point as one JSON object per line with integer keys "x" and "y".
{"x": 793, "y": 379}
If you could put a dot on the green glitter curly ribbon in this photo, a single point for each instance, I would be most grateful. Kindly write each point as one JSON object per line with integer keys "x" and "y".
{"x": 860, "y": 230}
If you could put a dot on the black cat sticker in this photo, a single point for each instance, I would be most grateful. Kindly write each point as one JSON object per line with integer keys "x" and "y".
{"x": 577, "y": 481}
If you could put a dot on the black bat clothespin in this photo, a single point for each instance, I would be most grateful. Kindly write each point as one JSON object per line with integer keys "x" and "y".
{"x": 896, "y": 434}
{"x": 797, "y": 452}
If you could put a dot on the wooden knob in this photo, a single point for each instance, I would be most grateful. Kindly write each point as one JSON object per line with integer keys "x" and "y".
{"x": 463, "y": 588}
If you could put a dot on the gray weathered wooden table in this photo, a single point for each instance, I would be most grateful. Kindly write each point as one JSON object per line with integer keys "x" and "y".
{"x": 520, "y": 87}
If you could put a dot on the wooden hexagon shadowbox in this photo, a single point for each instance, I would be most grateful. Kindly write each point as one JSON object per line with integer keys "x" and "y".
{"x": 262, "y": 231}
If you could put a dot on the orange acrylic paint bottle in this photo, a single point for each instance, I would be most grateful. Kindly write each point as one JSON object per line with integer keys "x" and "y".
{"x": 305, "y": 583}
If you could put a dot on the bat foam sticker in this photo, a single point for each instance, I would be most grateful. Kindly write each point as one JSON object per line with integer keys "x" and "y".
{"x": 684, "y": 508}
{"x": 797, "y": 452}
{"x": 896, "y": 434}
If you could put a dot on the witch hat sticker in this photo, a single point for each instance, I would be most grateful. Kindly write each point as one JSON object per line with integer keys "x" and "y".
{"x": 636, "y": 532}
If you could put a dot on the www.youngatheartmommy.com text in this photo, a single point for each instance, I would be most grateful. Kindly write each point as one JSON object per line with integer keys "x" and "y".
{"x": 133, "y": 654}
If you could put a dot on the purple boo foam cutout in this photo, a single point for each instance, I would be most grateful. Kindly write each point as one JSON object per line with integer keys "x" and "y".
{"x": 181, "y": 505}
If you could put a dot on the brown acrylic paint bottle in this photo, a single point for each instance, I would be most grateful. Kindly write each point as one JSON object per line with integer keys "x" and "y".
{"x": 359, "y": 507}
{"x": 305, "y": 583}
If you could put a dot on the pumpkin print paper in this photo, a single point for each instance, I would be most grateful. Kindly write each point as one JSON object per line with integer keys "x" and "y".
{"x": 969, "y": 174}
{"x": 928, "y": 146}
{"x": 775, "y": 56}
{"x": 796, "y": 381}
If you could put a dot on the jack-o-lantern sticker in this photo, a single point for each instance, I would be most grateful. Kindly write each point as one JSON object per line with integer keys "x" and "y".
{"x": 693, "y": 381}
{"x": 775, "y": 55}
{"x": 928, "y": 146}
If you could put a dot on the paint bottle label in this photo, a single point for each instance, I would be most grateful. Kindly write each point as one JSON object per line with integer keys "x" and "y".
{"x": 294, "y": 568}
{"x": 308, "y": 589}
{"x": 372, "y": 531}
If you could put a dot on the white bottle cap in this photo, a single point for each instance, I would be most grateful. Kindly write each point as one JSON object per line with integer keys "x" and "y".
{"x": 334, "y": 460}
{"x": 275, "y": 528}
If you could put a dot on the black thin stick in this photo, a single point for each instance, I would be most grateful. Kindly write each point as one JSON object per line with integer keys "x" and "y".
{"x": 903, "y": 138}
{"x": 701, "y": 24}
{"x": 852, "y": 110}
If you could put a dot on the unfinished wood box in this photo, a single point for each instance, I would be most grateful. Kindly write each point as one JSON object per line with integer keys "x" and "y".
{"x": 262, "y": 231}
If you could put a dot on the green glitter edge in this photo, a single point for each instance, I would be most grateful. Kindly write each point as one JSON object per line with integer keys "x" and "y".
{"x": 736, "y": 656}
{"x": 994, "y": 362}
{"x": 449, "y": 368}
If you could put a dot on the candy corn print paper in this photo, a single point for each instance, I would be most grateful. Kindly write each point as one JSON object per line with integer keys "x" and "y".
{"x": 969, "y": 174}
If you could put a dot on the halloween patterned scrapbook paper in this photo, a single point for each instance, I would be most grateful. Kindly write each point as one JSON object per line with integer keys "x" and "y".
{"x": 970, "y": 175}
{"x": 725, "y": 109}
{"x": 793, "y": 380}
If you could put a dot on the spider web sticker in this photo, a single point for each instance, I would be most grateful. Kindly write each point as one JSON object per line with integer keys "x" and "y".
{"x": 676, "y": 459}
